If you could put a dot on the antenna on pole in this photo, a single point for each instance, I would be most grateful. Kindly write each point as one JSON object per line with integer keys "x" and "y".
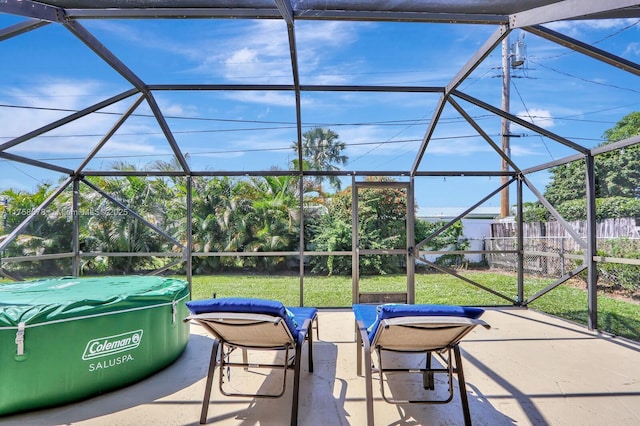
{"x": 513, "y": 56}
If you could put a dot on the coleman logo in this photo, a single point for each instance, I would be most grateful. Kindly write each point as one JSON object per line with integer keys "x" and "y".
{"x": 105, "y": 346}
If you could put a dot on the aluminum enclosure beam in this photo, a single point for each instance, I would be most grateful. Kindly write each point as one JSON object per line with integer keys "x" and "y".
{"x": 427, "y": 136}
{"x": 484, "y": 135}
{"x": 36, "y": 163}
{"x": 68, "y": 119}
{"x": 423, "y": 17}
{"x": 453, "y": 273}
{"x": 567, "y": 9}
{"x": 555, "y": 214}
{"x": 247, "y": 173}
{"x": 556, "y": 283}
{"x": 32, "y": 9}
{"x": 586, "y": 49}
{"x": 633, "y": 140}
{"x": 174, "y": 13}
{"x": 554, "y": 163}
{"x": 494, "y": 40}
{"x": 473, "y": 62}
{"x": 162, "y": 121}
{"x": 286, "y": 10}
{"x": 99, "y": 49}
{"x": 516, "y": 13}
{"x": 304, "y": 15}
{"x": 109, "y": 134}
{"x": 302, "y": 88}
{"x": 134, "y": 214}
{"x": 34, "y": 213}
{"x": 521, "y": 122}
{"x": 21, "y": 28}
{"x": 592, "y": 245}
{"x": 463, "y": 214}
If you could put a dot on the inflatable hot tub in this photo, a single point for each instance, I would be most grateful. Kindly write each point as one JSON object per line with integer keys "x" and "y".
{"x": 66, "y": 339}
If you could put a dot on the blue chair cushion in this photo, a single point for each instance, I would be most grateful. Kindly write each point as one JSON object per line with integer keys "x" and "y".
{"x": 292, "y": 316}
{"x": 393, "y": 310}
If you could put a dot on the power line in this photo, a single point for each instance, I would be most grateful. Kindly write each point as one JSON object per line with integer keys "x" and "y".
{"x": 531, "y": 118}
{"x": 388, "y": 140}
{"x": 22, "y": 171}
{"x": 243, "y": 151}
{"x": 285, "y": 125}
{"x": 288, "y": 124}
{"x": 615, "y": 33}
{"x": 585, "y": 79}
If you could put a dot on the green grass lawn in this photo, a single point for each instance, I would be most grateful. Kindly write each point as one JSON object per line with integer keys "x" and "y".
{"x": 615, "y": 316}
{"x": 619, "y": 317}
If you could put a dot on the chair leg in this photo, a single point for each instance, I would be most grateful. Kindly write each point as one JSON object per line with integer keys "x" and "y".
{"x": 369, "y": 382}
{"x": 245, "y": 359}
{"x": 207, "y": 389}
{"x": 310, "y": 347}
{"x": 296, "y": 385}
{"x": 462, "y": 385}
{"x": 310, "y": 351}
{"x": 358, "y": 349}
{"x": 317, "y": 328}
{"x": 428, "y": 381}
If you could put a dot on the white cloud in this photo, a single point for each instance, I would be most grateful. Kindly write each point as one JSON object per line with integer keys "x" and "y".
{"x": 375, "y": 140}
{"x": 633, "y": 49}
{"x": 576, "y": 28}
{"x": 283, "y": 99}
{"x": 359, "y": 138}
{"x": 47, "y": 103}
{"x": 539, "y": 117}
{"x": 44, "y": 103}
{"x": 526, "y": 151}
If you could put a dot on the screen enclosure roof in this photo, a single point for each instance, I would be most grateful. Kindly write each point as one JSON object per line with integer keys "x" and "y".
{"x": 497, "y": 18}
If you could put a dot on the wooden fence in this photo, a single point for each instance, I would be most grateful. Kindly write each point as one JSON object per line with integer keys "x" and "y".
{"x": 549, "y": 250}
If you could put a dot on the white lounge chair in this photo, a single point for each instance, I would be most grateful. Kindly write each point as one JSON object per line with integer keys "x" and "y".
{"x": 403, "y": 328}
{"x": 254, "y": 324}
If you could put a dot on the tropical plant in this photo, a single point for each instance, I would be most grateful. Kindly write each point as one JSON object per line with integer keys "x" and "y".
{"x": 112, "y": 228}
{"x": 218, "y": 222}
{"x": 322, "y": 151}
{"x": 382, "y": 225}
{"x": 449, "y": 239}
{"x": 273, "y": 220}
{"x": 47, "y": 233}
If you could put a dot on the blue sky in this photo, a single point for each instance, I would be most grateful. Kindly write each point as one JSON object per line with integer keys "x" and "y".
{"x": 48, "y": 73}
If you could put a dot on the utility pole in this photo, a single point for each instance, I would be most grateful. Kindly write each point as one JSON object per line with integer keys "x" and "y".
{"x": 512, "y": 57}
{"x": 505, "y": 128}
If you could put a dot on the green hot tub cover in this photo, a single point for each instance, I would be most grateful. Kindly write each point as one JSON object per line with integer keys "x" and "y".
{"x": 66, "y": 339}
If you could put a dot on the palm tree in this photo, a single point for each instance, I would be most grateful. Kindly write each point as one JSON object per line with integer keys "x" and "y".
{"x": 273, "y": 218}
{"x": 322, "y": 151}
{"x": 112, "y": 229}
{"x": 219, "y": 221}
{"x": 48, "y": 232}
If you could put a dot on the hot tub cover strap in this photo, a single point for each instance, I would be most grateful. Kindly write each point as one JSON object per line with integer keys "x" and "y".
{"x": 20, "y": 339}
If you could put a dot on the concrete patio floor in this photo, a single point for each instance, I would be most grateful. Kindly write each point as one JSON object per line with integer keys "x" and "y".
{"x": 529, "y": 369}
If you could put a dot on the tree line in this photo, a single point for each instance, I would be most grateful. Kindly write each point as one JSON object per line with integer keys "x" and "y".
{"x": 261, "y": 214}
{"x": 229, "y": 214}
{"x": 617, "y": 181}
